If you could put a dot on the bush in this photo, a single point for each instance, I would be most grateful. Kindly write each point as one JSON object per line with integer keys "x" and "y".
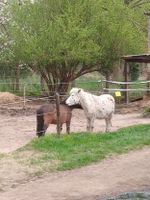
{"x": 147, "y": 110}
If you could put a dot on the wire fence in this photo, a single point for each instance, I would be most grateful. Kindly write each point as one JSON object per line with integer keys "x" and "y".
{"x": 116, "y": 88}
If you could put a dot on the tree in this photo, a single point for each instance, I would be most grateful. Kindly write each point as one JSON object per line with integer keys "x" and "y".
{"x": 55, "y": 41}
{"x": 122, "y": 33}
{"x": 62, "y": 40}
{"x": 7, "y": 56}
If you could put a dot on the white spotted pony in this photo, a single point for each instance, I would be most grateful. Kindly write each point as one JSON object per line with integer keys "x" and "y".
{"x": 101, "y": 107}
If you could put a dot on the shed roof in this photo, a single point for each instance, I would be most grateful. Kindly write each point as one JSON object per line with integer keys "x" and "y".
{"x": 143, "y": 58}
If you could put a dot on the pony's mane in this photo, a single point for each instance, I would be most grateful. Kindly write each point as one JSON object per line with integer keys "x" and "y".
{"x": 75, "y": 90}
{"x": 76, "y": 106}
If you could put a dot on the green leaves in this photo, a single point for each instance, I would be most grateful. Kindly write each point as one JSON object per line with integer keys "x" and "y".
{"x": 74, "y": 35}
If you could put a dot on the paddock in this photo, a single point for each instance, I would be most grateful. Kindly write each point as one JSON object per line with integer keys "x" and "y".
{"x": 18, "y": 127}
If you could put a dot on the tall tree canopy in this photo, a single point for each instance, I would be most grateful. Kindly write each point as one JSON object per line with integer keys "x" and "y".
{"x": 64, "y": 39}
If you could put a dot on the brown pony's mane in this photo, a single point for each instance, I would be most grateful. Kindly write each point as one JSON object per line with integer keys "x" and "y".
{"x": 76, "y": 106}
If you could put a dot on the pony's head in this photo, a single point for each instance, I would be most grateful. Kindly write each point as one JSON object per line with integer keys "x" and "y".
{"x": 74, "y": 99}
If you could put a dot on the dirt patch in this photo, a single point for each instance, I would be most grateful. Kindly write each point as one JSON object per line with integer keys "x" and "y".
{"x": 20, "y": 167}
{"x": 113, "y": 176}
{"x": 7, "y": 97}
{"x": 12, "y": 173}
{"x": 137, "y": 106}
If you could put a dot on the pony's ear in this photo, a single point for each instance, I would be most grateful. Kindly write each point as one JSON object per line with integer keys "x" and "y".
{"x": 79, "y": 90}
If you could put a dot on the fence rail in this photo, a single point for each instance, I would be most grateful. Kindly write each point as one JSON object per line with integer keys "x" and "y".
{"x": 126, "y": 88}
{"x": 27, "y": 89}
{"x": 125, "y": 83}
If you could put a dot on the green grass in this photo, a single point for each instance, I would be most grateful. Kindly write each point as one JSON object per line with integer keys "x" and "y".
{"x": 33, "y": 88}
{"x": 147, "y": 110}
{"x": 88, "y": 85}
{"x": 80, "y": 149}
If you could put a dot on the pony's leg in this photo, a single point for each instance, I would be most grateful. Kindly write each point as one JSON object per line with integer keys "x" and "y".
{"x": 90, "y": 124}
{"x": 110, "y": 117}
{"x": 108, "y": 124}
{"x": 60, "y": 128}
{"x": 68, "y": 127}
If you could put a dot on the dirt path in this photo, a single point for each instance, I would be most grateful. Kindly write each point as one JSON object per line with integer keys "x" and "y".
{"x": 16, "y": 131}
{"x": 115, "y": 175}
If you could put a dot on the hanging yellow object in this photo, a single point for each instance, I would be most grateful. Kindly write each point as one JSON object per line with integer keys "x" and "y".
{"x": 118, "y": 94}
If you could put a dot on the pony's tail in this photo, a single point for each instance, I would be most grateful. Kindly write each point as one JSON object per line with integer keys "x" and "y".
{"x": 40, "y": 123}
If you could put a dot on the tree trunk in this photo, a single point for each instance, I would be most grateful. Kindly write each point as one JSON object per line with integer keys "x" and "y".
{"x": 42, "y": 84}
{"x": 148, "y": 65}
{"x": 148, "y": 79}
{"x": 17, "y": 87}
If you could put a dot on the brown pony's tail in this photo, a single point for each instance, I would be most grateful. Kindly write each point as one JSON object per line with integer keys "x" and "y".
{"x": 40, "y": 122}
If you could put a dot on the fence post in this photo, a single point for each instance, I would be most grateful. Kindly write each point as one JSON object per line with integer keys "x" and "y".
{"x": 58, "y": 112}
{"x": 24, "y": 97}
{"x": 126, "y": 80}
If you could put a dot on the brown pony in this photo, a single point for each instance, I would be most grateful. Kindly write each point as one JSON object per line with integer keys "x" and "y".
{"x": 47, "y": 114}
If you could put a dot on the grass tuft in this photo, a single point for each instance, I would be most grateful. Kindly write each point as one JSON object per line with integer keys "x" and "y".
{"x": 79, "y": 149}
